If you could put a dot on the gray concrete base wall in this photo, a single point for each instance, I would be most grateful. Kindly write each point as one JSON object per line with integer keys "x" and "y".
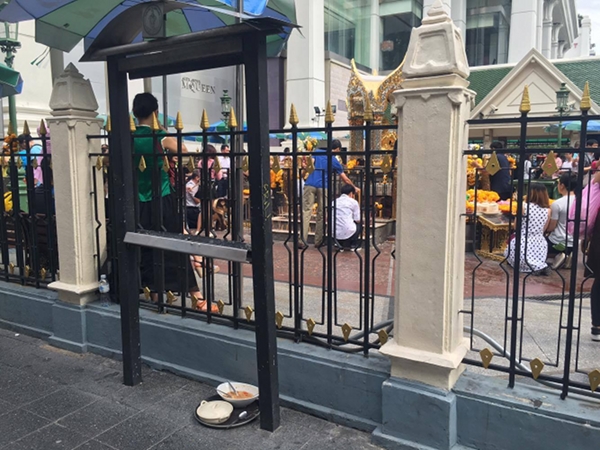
{"x": 481, "y": 412}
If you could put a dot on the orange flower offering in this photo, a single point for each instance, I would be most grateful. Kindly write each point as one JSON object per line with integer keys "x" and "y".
{"x": 512, "y": 161}
{"x": 351, "y": 164}
{"x": 482, "y": 196}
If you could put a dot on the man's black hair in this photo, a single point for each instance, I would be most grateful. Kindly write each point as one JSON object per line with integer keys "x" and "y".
{"x": 569, "y": 180}
{"x": 144, "y": 105}
{"x": 336, "y": 144}
{"x": 496, "y": 145}
{"x": 347, "y": 189}
{"x": 591, "y": 142}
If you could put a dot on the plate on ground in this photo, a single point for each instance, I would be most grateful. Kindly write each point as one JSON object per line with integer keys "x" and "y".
{"x": 233, "y": 421}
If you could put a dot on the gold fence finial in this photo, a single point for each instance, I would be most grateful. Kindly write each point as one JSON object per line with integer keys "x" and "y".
{"x": 132, "y": 126}
{"x": 108, "y": 127}
{"x": 26, "y": 130}
{"x": 293, "y": 116}
{"x": 329, "y": 117}
{"x": 232, "y": 123}
{"x": 43, "y": 129}
{"x": 204, "y": 124}
{"x": 525, "y": 102}
{"x": 179, "y": 122}
{"x": 586, "y": 101}
{"x": 155, "y": 125}
{"x": 11, "y": 128}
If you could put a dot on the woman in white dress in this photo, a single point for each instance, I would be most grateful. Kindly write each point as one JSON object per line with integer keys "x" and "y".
{"x": 534, "y": 248}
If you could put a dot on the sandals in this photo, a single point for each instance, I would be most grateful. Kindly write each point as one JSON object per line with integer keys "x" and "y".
{"x": 200, "y": 304}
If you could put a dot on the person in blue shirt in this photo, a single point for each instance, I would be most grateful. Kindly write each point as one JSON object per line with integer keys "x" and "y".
{"x": 315, "y": 191}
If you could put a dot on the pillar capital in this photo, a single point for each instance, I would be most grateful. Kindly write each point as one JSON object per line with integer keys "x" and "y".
{"x": 73, "y": 95}
{"x": 436, "y": 48}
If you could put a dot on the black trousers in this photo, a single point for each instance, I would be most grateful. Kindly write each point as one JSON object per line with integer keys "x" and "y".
{"x": 352, "y": 241}
{"x": 595, "y": 302}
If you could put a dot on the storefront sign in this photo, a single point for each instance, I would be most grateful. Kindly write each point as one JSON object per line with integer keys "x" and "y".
{"x": 196, "y": 86}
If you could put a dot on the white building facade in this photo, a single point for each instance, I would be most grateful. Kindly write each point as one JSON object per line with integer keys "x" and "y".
{"x": 375, "y": 33}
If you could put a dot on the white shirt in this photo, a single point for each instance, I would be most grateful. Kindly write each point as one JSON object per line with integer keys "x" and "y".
{"x": 559, "y": 210}
{"x": 347, "y": 213}
{"x": 191, "y": 188}
{"x": 527, "y": 169}
{"x": 566, "y": 165}
{"x": 225, "y": 165}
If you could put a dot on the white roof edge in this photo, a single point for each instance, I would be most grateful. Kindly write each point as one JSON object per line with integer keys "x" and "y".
{"x": 553, "y": 61}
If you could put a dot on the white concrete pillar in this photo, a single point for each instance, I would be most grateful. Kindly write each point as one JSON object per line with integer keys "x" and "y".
{"x": 459, "y": 16}
{"x": 555, "y": 33}
{"x": 375, "y": 36}
{"x": 523, "y": 29}
{"x": 561, "y": 49}
{"x": 433, "y": 107}
{"x": 548, "y": 24}
{"x": 585, "y": 36}
{"x": 74, "y": 111}
{"x": 503, "y": 37}
{"x": 540, "y": 26}
{"x": 305, "y": 85}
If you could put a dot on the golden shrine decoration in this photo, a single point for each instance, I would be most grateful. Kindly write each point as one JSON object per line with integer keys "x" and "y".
{"x": 372, "y": 94}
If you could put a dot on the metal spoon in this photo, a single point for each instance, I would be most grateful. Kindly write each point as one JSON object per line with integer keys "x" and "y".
{"x": 232, "y": 387}
{"x": 242, "y": 416}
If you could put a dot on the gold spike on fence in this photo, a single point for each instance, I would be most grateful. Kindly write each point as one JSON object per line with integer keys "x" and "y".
{"x": 26, "y": 130}
{"x": 586, "y": 101}
{"x": 525, "y": 102}
{"x": 142, "y": 165}
{"x": 11, "y": 128}
{"x": 329, "y": 117}
{"x": 155, "y": 125}
{"x": 132, "y": 126}
{"x": 108, "y": 127}
{"x": 232, "y": 123}
{"x": 179, "y": 122}
{"x": 293, "y": 116}
{"x": 204, "y": 123}
{"x": 43, "y": 129}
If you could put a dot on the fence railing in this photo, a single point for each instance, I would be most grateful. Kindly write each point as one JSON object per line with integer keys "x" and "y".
{"x": 329, "y": 295}
{"x": 28, "y": 240}
{"x": 525, "y": 316}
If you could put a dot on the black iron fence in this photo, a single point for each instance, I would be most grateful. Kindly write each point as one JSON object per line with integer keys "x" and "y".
{"x": 535, "y": 321}
{"x": 336, "y": 293}
{"x": 28, "y": 239}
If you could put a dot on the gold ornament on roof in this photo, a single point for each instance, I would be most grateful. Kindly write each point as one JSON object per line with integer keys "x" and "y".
{"x": 525, "y": 102}
{"x": 586, "y": 101}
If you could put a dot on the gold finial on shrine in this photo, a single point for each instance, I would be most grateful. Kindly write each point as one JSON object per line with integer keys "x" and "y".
{"x": 368, "y": 112}
{"x": 155, "y": 125}
{"x": 132, "y": 126}
{"x": 108, "y": 127}
{"x": 232, "y": 123}
{"x": 329, "y": 117}
{"x": 204, "y": 124}
{"x": 43, "y": 129}
{"x": 26, "y": 131}
{"x": 525, "y": 102}
{"x": 179, "y": 122}
{"x": 293, "y": 116}
{"x": 586, "y": 101}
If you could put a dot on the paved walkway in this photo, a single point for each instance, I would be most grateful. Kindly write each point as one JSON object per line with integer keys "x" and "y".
{"x": 51, "y": 399}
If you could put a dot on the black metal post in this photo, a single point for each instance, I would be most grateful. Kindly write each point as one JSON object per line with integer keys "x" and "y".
{"x": 255, "y": 61}
{"x": 121, "y": 171}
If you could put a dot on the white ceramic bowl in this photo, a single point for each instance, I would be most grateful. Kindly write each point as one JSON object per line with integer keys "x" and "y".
{"x": 224, "y": 388}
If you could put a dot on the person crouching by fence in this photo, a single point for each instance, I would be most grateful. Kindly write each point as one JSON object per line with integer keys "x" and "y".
{"x": 534, "y": 248}
{"x": 346, "y": 211}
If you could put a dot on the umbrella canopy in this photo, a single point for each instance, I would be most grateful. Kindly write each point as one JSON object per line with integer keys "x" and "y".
{"x": 573, "y": 125}
{"x": 11, "y": 82}
{"x": 62, "y": 24}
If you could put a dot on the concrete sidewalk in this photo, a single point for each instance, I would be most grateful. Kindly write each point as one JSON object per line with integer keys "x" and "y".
{"x": 51, "y": 399}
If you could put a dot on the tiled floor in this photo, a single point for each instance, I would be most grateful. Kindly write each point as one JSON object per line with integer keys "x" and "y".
{"x": 51, "y": 399}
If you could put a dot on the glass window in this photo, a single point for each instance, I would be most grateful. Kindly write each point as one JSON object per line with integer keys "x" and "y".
{"x": 348, "y": 29}
{"x": 488, "y": 30}
{"x": 398, "y": 18}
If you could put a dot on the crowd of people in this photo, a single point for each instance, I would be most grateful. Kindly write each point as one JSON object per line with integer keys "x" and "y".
{"x": 547, "y": 226}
